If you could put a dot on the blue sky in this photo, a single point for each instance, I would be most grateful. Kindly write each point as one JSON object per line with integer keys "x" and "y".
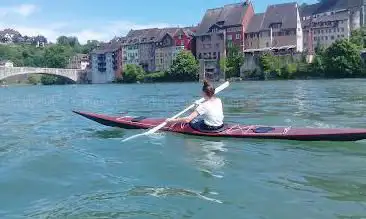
{"x": 104, "y": 19}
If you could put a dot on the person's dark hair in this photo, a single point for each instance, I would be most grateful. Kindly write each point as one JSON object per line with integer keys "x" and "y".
{"x": 208, "y": 88}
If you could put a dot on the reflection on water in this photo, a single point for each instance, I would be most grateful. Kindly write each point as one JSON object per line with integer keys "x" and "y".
{"x": 139, "y": 201}
{"x": 341, "y": 189}
{"x": 207, "y": 155}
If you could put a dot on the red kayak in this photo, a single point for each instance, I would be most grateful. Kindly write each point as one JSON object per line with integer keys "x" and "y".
{"x": 232, "y": 130}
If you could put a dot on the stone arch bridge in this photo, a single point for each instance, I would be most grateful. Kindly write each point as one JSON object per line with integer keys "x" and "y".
{"x": 72, "y": 74}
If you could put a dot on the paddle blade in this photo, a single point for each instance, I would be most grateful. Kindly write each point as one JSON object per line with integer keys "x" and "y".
{"x": 133, "y": 137}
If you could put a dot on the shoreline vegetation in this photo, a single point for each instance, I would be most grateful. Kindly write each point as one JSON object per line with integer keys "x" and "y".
{"x": 342, "y": 59}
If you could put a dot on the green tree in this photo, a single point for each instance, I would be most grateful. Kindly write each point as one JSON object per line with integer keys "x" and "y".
{"x": 89, "y": 46}
{"x": 57, "y": 56}
{"x": 63, "y": 40}
{"x": 223, "y": 66}
{"x": 32, "y": 80}
{"x": 184, "y": 68}
{"x": 358, "y": 37}
{"x": 133, "y": 73}
{"x": 270, "y": 65}
{"x": 342, "y": 59}
{"x": 234, "y": 61}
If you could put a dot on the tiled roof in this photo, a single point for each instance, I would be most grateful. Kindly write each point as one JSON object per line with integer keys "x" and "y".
{"x": 329, "y": 5}
{"x": 332, "y": 17}
{"x": 255, "y": 23}
{"x": 286, "y": 14}
{"x": 281, "y": 13}
{"x": 107, "y": 47}
{"x": 229, "y": 15}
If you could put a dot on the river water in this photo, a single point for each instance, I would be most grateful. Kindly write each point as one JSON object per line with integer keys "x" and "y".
{"x": 55, "y": 164}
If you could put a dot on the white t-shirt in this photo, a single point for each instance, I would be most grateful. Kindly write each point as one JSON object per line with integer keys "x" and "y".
{"x": 212, "y": 112}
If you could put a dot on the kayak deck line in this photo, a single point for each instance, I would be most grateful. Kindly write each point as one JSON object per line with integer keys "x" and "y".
{"x": 232, "y": 130}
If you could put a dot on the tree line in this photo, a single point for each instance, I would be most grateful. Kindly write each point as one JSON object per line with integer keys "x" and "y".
{"x": 50, "y": 56}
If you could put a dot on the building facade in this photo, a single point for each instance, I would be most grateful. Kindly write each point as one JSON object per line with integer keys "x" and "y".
{"x": 79, "y": 61}
{"x": 131, "y": 52}
{"x": 278, "y": 28}
{"x": 140, "y": 47}
{"x": 183, "y": 37}
{"x": 106, "y": 63}
{"x": 164, "y": 52}
{"x": 220, "y": 28}
{"x": 325, "y": 22}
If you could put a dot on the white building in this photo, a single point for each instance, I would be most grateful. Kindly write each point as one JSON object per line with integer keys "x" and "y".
{"x": 79, "y": 61}
{"x": 6, "y": 63}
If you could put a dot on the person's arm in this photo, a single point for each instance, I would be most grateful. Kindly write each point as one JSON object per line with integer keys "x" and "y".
{"x": 187, "y": 119}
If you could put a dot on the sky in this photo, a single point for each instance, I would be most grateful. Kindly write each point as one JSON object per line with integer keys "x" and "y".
{"x": 104, "y": 19}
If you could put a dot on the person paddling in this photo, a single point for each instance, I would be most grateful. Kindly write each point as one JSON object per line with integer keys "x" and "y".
{"x": 211, "y": 110}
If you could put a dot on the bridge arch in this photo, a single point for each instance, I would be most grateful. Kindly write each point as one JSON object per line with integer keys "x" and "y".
{"x": 72, "y": 74}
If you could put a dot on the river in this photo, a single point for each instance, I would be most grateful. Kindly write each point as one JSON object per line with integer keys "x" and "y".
{"x": 55, "y": 164}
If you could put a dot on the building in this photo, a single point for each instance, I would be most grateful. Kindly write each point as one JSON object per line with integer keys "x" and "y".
{"x": 139, "y": 46}
{"x": 79, "y": 61}
{"x": 165, "y": 46}
{"x": 131, "y": 51}
{"x": 219, "y": 28}
{"x": 106, "y": 63}
{"x": 278, "y": 28}
{"x": 6, "y": 63}
{"x": 184, "y": 37}
{"x": 323, "y": 23}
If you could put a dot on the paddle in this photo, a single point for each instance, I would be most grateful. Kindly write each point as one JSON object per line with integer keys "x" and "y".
{"x": 156, "y": 128}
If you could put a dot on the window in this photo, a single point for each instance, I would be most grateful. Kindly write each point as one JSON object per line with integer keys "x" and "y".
{"x": 238, "y": 36}
{"x": 332, "y": 37}
{"x": 342, "y": 29}
{"x": 229, "y": 37}
{"x": 267, "y": 44}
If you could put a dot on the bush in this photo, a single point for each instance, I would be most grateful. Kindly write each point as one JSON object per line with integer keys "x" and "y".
{"x": 156, "y": 77}
{"x": 133, "y": 73}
